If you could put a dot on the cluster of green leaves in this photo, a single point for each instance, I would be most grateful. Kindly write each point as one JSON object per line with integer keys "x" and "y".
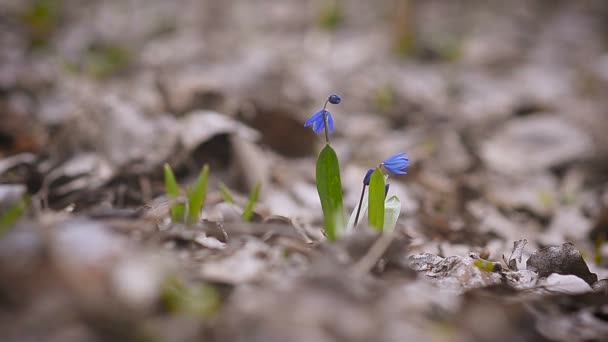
{"x": 383, "y": 212}
{"x": 187, "y": 209}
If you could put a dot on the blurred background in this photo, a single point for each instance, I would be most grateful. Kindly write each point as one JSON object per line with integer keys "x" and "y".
{"x": 500, "y": 105}
{"x": 484, "y": 96}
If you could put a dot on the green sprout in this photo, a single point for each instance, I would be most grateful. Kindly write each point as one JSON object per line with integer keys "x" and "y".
{"x": 181, "y": 210}
{"x": 178, "y": 210}
{"x": 331, "y": 15}
{"x": 200, "y": 301}
{"x": 196, "y": 195}
{"x": 41, "y": 18}
{"x": 105, "y": 59}
{"x": 226, "y": 193}
{"x": 253, "y": 198}
{"x": 487, "y": 266}
{"x": 12, "y": 215}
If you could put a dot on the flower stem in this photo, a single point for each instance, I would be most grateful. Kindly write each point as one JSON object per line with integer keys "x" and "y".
{"x": 359, "y": 206}
{"x": 325, "y": 122}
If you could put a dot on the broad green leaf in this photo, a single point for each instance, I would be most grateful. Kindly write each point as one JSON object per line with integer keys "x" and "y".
{"x": 351, "y": 221}
{"x": 329, "y": 188}
{"x": 12, "y": 215}
{"x": 196, "y": 195}
{"x": 376, "y": 200}
{"x": 178, "y": 210}
{"x": 226, "y": 193}
{"x": 253, "y": 198}
{"x": 392, "y": 209}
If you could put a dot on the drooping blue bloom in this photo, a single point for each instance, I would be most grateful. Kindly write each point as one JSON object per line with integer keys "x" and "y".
{"x": 396, "y": 163}
{"x": 334, "y": 99}
{"x": 318, "y": 122}
{"x": 367, "y": 177}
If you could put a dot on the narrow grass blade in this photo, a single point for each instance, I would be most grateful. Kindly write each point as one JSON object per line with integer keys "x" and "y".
{"x": 377, "y": 191}
{"x": 196, "y": 195}
{"x": 12, "y": 215}
{"x": 329, "y": 188}
{"x": 178, "y": 210}
{"x": 226, "y": 193}
{"x": 253, "y": 198}
{"x": 392, "y": 209}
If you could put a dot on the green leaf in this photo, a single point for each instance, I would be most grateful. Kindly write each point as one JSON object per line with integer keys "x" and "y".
{"x": 12, "y": 215}
{"x": 196, "y": 195}
{"x": 226, "y": 193}
{"x": 486, "y": 266}
{"x": 253, "y": 198}
{"x": 392, "y": 209}
{"x": 376, "y": 200}
{"x": 178, "y": 210}
{"x": 329, "y": 188}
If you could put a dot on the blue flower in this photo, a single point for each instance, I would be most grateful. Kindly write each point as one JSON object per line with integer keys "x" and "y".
{"x": 334, "y": 99}
{"x": 396, "y": 163}
{"x": 318, "y": 122}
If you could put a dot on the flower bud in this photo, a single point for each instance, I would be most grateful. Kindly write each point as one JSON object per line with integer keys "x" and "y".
{"x": 367, "y": 177}
{"x": 334, "y": 99}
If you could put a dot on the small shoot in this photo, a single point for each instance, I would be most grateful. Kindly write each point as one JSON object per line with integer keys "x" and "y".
{"x": 178, "y": 210}
{"x": 12, "y": 215}
{"x": 253, "y": 199}
{"x": 106, "y": 59}
{"x": 201, "y": 301}
{"x": 41, "y": 18}
{"x": 196, "y": 195}
{"x": 331, "y": 15}
{"x": 377, "y": 195}
{"x": 226, "y": 193}
{"x": 487, "y": 266}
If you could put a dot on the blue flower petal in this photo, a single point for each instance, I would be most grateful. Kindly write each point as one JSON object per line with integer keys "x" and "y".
{"x": 318, "y": 126}
{"x": 318, "y": 121}
{"x": 396, "y": 163}
{"x": 330, "y": 122}
{"x": 314, "y": 118}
